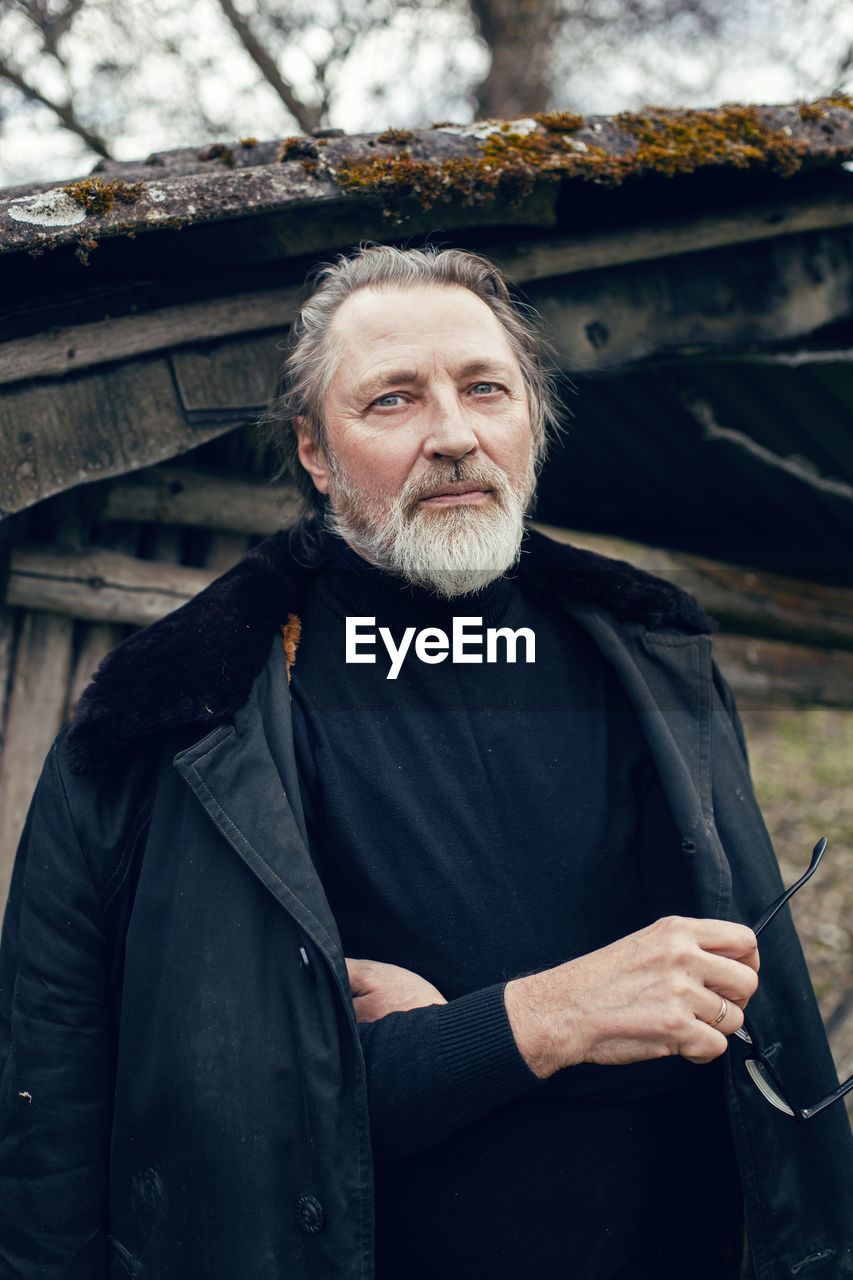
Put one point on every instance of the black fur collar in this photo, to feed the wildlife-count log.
(196, 666)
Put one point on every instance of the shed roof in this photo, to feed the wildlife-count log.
(695, 268)
(541, 170)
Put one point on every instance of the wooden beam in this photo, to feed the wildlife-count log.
(7, 648)
(96, 641)
(746, 601)
(67, 348)
(773, 673)
(101, 585)
(224, 551)
(54, 436)
(36, 707)
(763, 296)
(559, 256)
(804, 358)
(177, 495)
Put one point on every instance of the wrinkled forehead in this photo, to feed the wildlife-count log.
(424, 321)
(364, 313)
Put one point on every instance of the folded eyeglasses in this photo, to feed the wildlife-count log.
(760, 1069)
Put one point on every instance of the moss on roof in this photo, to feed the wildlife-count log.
(98, 197)
(495, 165)
(560, 145)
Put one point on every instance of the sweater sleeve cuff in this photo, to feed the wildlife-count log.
(481, 1059)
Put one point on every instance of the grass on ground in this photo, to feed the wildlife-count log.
(802, 767)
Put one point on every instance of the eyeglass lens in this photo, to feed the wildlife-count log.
(762, 1080)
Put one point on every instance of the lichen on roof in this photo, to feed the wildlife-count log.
(563, 145)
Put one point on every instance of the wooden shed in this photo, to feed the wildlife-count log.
(695, 270)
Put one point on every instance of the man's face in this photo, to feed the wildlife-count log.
(429, 456)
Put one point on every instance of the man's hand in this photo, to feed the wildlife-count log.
(379, 988)
(653, 994)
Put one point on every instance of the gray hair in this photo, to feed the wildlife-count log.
(313, 355)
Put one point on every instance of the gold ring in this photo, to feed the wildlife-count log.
(724, 1008)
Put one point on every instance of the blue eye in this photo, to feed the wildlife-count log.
(484, 388)
(389, 401)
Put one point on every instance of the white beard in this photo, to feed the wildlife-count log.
(452, 551)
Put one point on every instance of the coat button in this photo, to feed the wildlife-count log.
(310, 1214)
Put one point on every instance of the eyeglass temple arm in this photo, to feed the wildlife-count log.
(817, 854)
(842, 1089)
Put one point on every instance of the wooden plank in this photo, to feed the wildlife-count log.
(773, 673)
(101, 585)
(746, 601)
(53, 437)
(224, 551)
(178, 495)
(7, 650)
(36, 707)
(544, 257)
(165, 545)
(239, 375)
(96, 641)
(70, 348)
(723, 299)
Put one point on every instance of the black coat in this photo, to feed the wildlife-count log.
(183, 1092)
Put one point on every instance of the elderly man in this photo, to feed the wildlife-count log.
(499, 775)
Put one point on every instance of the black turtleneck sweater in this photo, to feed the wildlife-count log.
(475, 822)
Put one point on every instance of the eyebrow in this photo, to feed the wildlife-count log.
(405, 376)
(394, 377)
(477, 368)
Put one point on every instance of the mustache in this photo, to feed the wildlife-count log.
(445, 473)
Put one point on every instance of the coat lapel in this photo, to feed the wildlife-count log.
(244, 777)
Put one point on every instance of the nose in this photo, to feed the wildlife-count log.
(450, 433)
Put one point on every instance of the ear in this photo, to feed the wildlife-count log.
(311, 455)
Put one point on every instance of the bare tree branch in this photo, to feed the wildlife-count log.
(53, 26)
(63, 110)
(307, 117)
